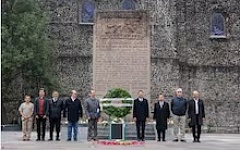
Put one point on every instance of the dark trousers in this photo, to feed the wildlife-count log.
(54, 122)
(92, 129)
(198, 127)
(140, 124)
(159, 132)
(41, 122)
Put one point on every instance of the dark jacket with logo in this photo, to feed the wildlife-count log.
(55, 108)
(74, 110)
(179, 106)
(36, 106)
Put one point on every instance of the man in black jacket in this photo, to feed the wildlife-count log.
(74, 108)
(196, 114)
(161, 115)
(41, 113)
(55, 110)
(140, 114)
(179, 108)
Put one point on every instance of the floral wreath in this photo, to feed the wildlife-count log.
(117, 112)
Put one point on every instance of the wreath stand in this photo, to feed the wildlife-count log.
(117, 131)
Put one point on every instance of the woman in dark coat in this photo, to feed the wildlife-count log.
(196, 113)
(161, 115)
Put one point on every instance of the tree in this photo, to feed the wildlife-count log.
(27, 59)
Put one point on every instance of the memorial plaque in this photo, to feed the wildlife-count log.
(117, 131)
(121, 54)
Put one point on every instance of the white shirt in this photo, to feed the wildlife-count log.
(140, 99)
(73, 99)
(161, 103)
(54, 99)
(196, 106)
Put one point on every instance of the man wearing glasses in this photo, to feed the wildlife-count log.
(179, 108)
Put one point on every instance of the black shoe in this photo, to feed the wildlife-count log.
(43, 139)
(75, 139)
(89, 139)
(57, 139)
(198, 140)
(158, 140)
(182, 140)
(194, 141)
(175, 140)
(68, 139)
(164, 140)
(50, 139)
(37, 139)
(143, 139)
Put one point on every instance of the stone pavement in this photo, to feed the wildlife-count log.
(12, 141)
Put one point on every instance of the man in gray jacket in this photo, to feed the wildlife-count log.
(92, 107)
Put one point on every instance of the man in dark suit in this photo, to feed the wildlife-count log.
(74, 108)
(41, 112)
(196, 114)
(161, 115)
(55, 111)
(140, 114)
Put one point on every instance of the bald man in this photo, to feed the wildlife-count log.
(179, 109)
(73, 107)
(196, 113)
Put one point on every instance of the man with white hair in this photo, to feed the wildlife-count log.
(74, 109)
(196, 114)
(179, 108)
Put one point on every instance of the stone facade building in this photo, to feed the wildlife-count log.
(195, 44)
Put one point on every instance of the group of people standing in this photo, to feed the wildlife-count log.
(181, 109)
(52, 109)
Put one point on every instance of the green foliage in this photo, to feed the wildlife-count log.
(117, 112)
(26, 52)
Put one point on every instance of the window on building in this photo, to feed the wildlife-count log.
(87, 11)
(218, 25)
(128, 5)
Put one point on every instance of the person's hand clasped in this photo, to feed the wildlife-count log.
(134, 119)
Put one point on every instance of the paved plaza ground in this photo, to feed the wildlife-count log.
(12, 141)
